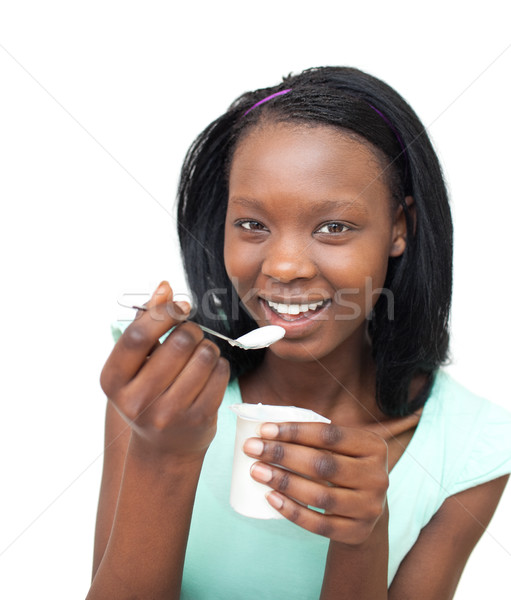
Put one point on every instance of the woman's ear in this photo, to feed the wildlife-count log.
(399, 233)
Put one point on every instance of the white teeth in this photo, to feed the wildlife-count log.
(293, 309)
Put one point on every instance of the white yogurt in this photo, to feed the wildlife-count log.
(262, 337)
(276, 414)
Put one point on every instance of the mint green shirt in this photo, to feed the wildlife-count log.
(461, 441)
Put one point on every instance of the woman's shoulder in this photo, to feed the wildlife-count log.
(472, 434)
(450, 400)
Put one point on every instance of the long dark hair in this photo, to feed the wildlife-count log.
(415, 341)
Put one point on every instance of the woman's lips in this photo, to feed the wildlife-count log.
(294, 325)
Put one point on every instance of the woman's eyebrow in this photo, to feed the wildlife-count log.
(316, 206)
(246, 202)
(345, 203)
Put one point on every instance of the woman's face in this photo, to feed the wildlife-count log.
(309, 229)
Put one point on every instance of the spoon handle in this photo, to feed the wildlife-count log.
(204, 328)
(219, 335)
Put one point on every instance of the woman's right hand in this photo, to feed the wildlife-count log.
(169, 393)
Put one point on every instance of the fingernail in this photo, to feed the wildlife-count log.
(261, 472)
(162, 294)
(269, 430)
(253, 446)
(162, 290)
(275, 500)
(184, 306)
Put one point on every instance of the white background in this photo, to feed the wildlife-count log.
(98, 104)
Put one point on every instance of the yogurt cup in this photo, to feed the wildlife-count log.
(247, 495)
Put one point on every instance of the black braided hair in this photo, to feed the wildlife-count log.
(415, 340)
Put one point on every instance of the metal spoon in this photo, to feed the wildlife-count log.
(262, 337)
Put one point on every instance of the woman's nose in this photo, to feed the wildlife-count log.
(288, 260)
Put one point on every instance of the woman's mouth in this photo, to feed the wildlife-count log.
(297, 318)
(293, 312)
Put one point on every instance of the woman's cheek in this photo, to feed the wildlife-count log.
(242, 264)
(358, 279)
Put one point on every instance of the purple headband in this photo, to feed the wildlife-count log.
(266, 100)
(394, 130)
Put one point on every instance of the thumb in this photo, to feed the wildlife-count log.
(161, 295)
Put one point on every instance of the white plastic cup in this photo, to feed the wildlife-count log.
(247, 495)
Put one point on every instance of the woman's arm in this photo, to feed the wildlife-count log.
(145, 552)
(359, 571)
(343, 471)
(433, 567)
(117, 437)
(168, 395)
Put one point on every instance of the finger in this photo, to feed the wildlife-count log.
(164, 364)
(189, 383)
(332, 499)
(342, 440)
(337, 528)
(210, 398)
(137, 341)
(321, 465)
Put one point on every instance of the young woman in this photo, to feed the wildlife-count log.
(317, 205)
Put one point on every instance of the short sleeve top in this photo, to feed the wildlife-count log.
(461, 441)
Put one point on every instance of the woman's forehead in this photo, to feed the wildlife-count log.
(321, 160)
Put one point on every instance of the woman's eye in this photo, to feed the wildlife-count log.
(333, 228)
(252, 225)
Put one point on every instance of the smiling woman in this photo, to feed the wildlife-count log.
(376, 124)
(319, 221)
(299, 197)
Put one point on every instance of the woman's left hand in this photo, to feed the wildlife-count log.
(339, 469)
